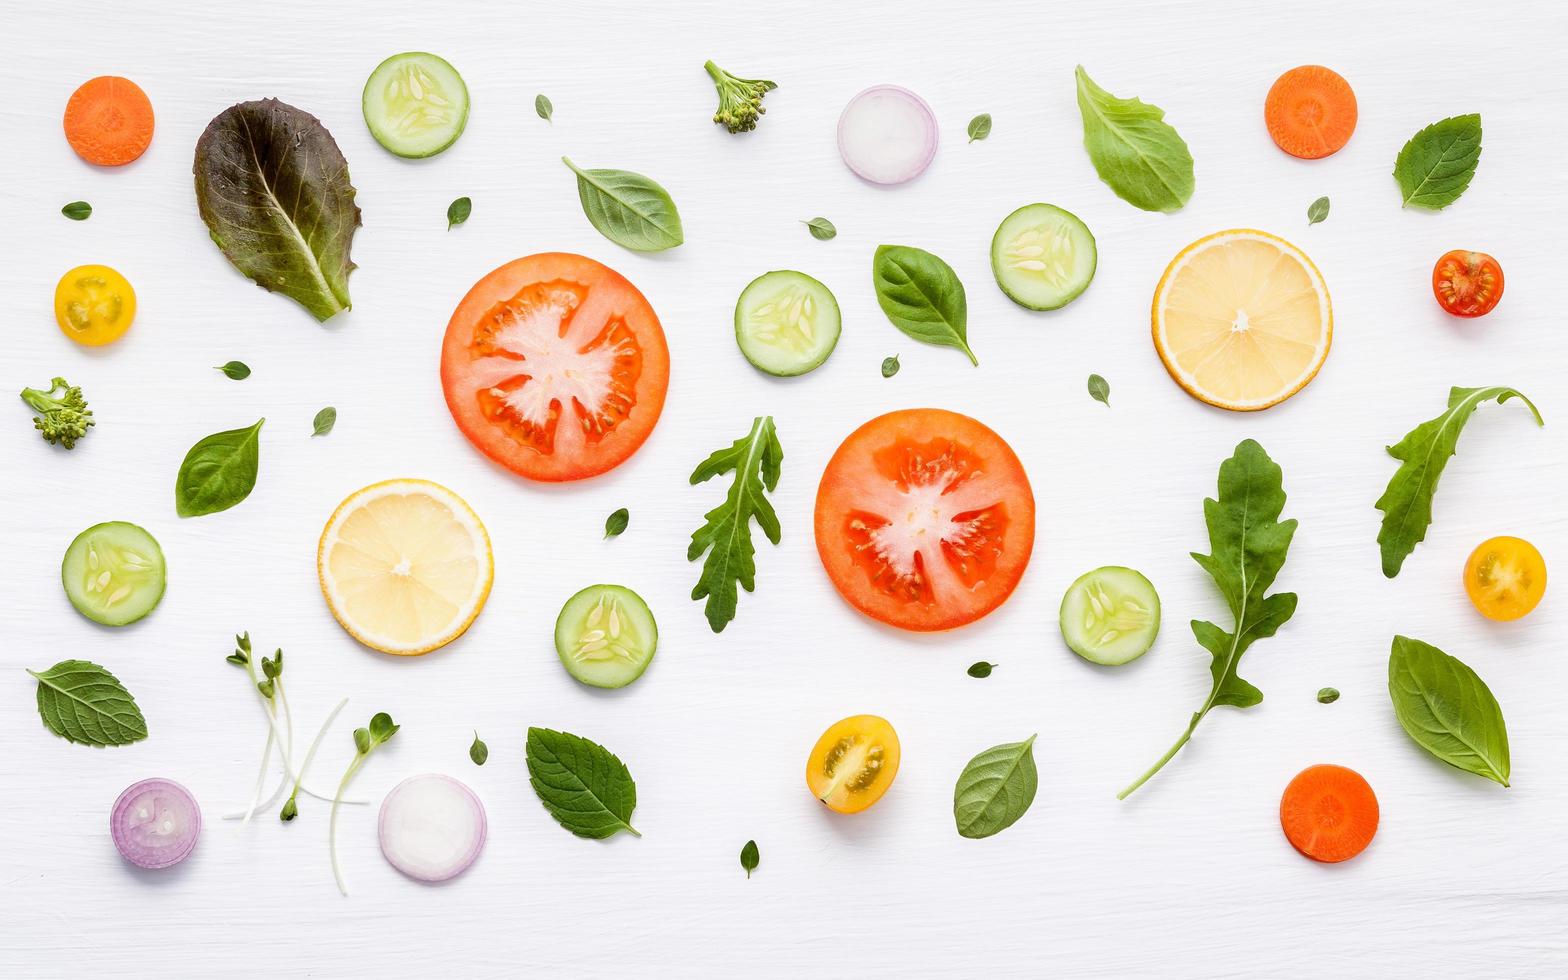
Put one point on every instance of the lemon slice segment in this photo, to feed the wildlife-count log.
(1242, 319)
(405, 566)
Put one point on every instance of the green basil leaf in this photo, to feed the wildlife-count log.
(980, 669)
(1448, 709)
(1328, 695)
(77, 210)
(750, 857)
(324, 421)
(83, 703)
(1436, 165)
(980, 127)
(628, 209)
(543, 107)
(889, 366)
(1100, 390)
(273, 188)
(922, 295)
(583, 785)
(821, 229)
(1423, 453)
(1317, 211)
(479, 751)
(995, 789)
(235, 370)
(1139, 155)
(218, 472)
(616, 522)
(458, 211)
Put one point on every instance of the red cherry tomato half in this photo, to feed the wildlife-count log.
(1467, 283)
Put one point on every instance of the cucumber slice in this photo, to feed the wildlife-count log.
(786, 323)
(113, 573)
(606, 636)
(416, 104)
(1043, 257)
(1110, 616)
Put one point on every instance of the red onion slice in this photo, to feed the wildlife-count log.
(887, 134)
(155, 823)
(432, 827)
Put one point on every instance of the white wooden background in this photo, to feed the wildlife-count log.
(1191, 877)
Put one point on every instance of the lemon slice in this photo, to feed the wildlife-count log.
(405, 566)
(1242, 319)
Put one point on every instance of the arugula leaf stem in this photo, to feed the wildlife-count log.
(1170, 753)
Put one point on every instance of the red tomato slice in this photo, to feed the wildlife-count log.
(555, 367)
(1467, 283)
(925, 519)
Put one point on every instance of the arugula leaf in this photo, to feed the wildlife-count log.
(1436, 165)
(750, 857)
(83, 703)
(1423, 452)
(218, 472)
(629, 209)
(458, 211)
(543, 107)
(726, 535)
(1247, 544)
(980, 127)
(1100, 390)
(1448, 709)
(995, 789)
(922, 296)
(583, 785)
(821, 229)
(1139, 155)
(1317, 211)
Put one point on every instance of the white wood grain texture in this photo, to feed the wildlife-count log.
(1189, 878)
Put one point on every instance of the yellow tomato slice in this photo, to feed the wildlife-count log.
(94, 305)
(853, 763)
(1505, 577)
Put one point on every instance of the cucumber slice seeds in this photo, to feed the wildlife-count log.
(1043, 257)
(786, 323)
(113, 573)
(415, 104)
(1110, 616)
(606, 636)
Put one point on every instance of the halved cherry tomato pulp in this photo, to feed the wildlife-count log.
(555, 367)
(853, 763)
(925, 519)
(1467, 283)
(1505, 577)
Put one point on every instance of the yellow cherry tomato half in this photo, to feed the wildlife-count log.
(1505, 577)
(853, 763)
(94, 305)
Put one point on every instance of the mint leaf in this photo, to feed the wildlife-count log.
(1448, 709)
(1407, 502)
(995, 789)
(1436, 165)
(1138, 155)
(756, 461)
(83, 703)
(1247, 547)
(583, 785)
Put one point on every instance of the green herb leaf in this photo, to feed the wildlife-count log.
(235, 370)
(218, 472)
(923, 296)
(616, 522)
(821, 229)
(479, 751)
(756, 460)
(362, 743)
(543, 107)
(1436, 165)
(1407, 502)
(980, 669)
(1448, 709)
(77, 210)
(1139, 155)
(237, 658)
(1247, 544)
(83, 703)
(273, 188)
(583, 785)
(324, 421)
(980, 127)
(381, 728)
(628, 209)
(995, 789)
(290, 810)
(889, 366)
(267, 688)
(458, 211)
(1100, 390)
(1317, 211)
(1328, 695)
(749, 857)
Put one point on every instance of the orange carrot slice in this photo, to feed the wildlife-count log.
(1310, 112)
(1329, 813)
(109, 121)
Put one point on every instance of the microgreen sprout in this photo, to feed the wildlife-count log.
(366, 740)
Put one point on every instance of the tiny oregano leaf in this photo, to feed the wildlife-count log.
(458, 211)
(77, 210)
(750, 857)
(236, 370)
(1317, 211)
(980, 669)
(980, 127)
(616, 522)
(324, 421)
(821, 229)
(543, 107)
(479, 751)
(1100, 390)
(889, 366)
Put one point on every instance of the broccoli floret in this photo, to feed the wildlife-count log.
(740, 99)
(63, 415)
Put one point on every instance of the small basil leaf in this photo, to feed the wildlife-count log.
(889, 366)
(995, 789)
(629, 209)
(821, 229)
(980, 127)
(479, 751)
(218, 472)
(325, 420)
(922, 296)
(543, 107)
(616, 522)
(458, 211)
(1317, 211)
(749, 857)
(77, 210)
(237, 370)
(980, 669)
(1100, 390)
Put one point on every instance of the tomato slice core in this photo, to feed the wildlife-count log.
(1467, 284)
